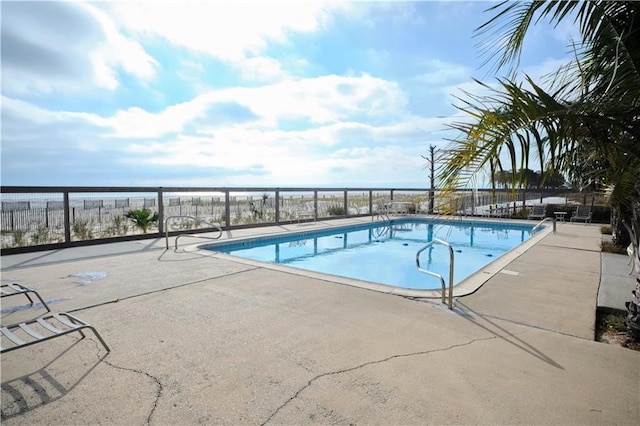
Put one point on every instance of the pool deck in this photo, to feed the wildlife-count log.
(206, 339)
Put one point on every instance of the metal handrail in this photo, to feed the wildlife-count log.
(197, 219)
(381, 212)
(546, 219)
(451, 264)
(382, 215)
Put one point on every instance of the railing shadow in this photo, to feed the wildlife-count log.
(184, 256)
(503, 334)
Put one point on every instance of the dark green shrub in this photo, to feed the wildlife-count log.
(606, 230)
(610, 247)
(82, 230)
(19, 238)
(336, 211)
(41, 236)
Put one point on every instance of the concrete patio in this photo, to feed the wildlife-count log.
(207, 340)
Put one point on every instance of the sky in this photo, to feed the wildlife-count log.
(240, 94)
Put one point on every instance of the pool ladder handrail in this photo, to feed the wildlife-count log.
(382, 211)
(539, 224)
(197, 219)
(434, 274)
(382, 215)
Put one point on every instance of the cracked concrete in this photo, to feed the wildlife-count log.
(207, 340)
(60, 386)
(368, 363)
(155, 379)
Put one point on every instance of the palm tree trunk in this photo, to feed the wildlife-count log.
(620, 232)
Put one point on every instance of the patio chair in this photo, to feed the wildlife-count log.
(14, 289)
(538, 212)
(42, 328)
(499, 211)
(582, 213)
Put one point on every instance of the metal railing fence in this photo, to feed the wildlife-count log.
(37, 218)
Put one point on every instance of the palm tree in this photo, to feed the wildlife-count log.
(590, 115)
(142, 218)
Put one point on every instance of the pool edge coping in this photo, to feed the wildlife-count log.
(466, 287)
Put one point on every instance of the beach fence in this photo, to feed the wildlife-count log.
(49, 217)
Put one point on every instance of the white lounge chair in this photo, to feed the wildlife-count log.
(44, 328)
(499, 211)
(582, 213)
(39, 329)
(7, 290)
(538, 212)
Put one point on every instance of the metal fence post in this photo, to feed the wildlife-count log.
(160, 211)
(345, 205)
(67, 217)
(227, 208)
(315, 205)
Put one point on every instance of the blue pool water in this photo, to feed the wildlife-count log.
(386, 254)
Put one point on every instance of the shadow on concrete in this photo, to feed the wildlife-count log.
(502, 333)
(44, 386)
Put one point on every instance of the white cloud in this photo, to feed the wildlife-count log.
(32, 57)
(229, 31)
(66, 47)
(329, 98)
(539, 73)
(135, 122)
(378, 56)
(281, 158)
(439, 72)
(186, 135)
(37, 115)
(260, 69)
(186, 115)
(321, 100)
(117, 51)
(334, 152)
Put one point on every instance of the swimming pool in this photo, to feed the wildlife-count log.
(384, 253)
